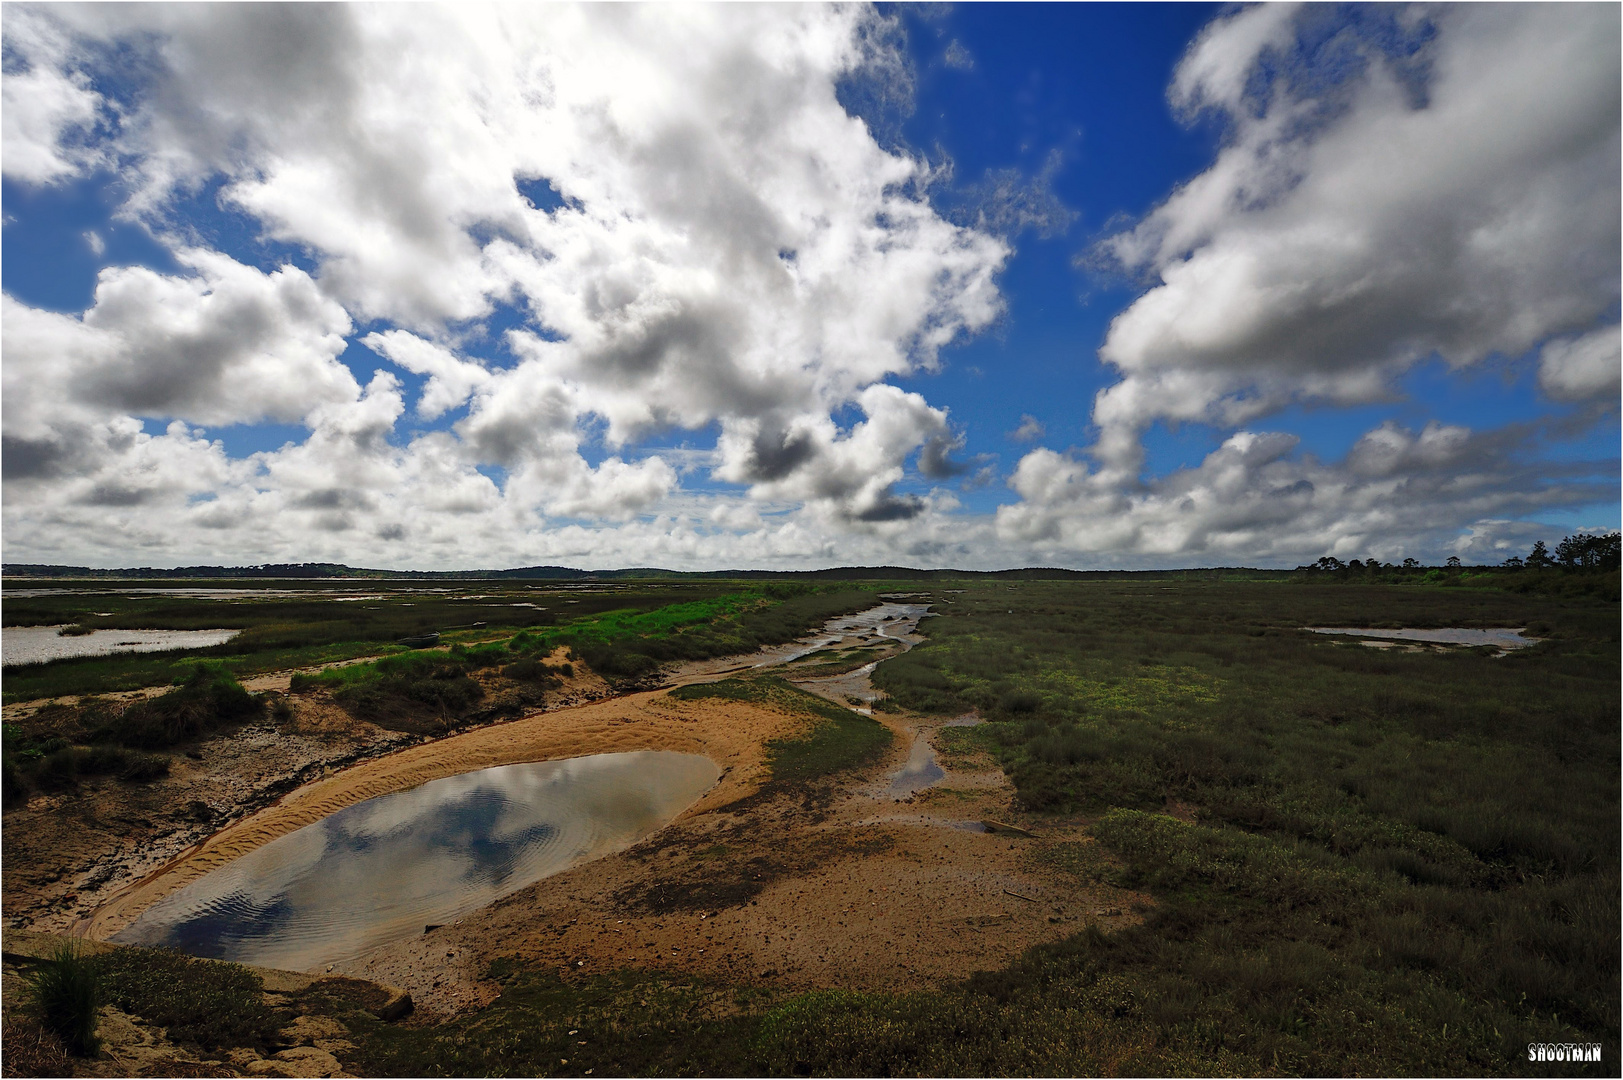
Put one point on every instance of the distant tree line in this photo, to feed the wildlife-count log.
(1595, 552)
(1584, 551)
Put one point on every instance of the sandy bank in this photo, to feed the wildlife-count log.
(731, 734)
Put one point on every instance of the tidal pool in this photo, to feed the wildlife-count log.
(383, 869)
(920, 771)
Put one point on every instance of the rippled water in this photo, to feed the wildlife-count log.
(37, 644)
(383, 869)
(1504, 637)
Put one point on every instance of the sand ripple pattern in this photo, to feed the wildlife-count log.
(380, 870)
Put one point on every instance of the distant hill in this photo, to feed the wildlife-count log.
(312, 571)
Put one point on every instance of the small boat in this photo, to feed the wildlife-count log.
(421, 641)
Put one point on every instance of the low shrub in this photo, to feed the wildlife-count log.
(481, 656)
(834, 745)
(209, 699)
(839, 739)
(13, 787)
(54, 765)
(532, 671)
(419, 692)
(63, 767)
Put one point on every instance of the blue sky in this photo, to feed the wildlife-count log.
(983, 285)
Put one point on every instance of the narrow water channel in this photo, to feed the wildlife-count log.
(384, 869)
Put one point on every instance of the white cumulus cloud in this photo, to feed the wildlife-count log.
(668, 209)
(1442, 185)
(1459, 201)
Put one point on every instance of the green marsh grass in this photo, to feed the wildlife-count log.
(1387, 842)
(56, 746)
(625, 633)
(1400, 863)
(210, 1004)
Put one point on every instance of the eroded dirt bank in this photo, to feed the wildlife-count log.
(69, 852)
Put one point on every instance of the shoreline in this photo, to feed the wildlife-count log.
(732, 734)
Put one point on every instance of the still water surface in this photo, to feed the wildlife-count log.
(39, 644)
(379, 871)
(1504, 637)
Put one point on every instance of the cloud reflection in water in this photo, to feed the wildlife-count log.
(382, 869)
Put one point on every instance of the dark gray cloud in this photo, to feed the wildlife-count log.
(935, 460)
(893, 508)
(117, 495)
(35, 459)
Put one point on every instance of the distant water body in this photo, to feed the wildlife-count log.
(38, 644)
(1502, 637)
(382, 870)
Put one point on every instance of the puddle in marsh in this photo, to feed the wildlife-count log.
(1503, 637)
(921, 770)
(38, 644)
(382, 870)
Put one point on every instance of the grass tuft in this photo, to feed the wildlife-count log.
(65, 994)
